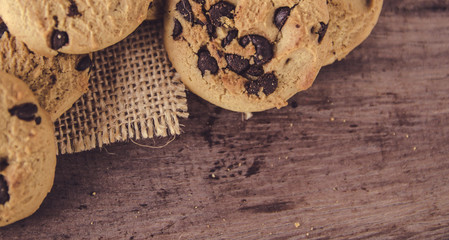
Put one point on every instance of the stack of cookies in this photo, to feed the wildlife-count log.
(253, 55)
(242, 55)
(45, 63)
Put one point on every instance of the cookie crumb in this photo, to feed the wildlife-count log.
(407, 136)
(414, 148)
(247, 115)
(297, 224)
(93, 193)
(332, 119)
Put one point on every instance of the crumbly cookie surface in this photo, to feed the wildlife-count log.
(57, 82)
(247, 55)
(72, 26)
(27, 151)
(351, 22)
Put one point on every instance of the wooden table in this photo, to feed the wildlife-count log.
(363, 154)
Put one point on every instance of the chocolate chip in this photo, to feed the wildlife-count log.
(59, 39)
(211, 30)
(321, 32)
(206, 62)
(237, 63)
(228, 39)
(3, 163)
(280, 16)
(73, 9)
(38, 120)
(3, 29)
(255, 70)
(24, 111)
(84, 63)
(55, 18)
(177, 29)
(264, 49)
(252, 87)
(269, 82)
(185, 9)
(4, 195)
(219, 10)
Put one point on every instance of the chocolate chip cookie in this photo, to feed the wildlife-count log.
(27, 151)
(351, 21)
(247, 55)
(57, 82)
(72, 26)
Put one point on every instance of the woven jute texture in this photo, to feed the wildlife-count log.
(134, 93)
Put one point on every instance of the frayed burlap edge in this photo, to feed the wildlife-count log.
(134, 93)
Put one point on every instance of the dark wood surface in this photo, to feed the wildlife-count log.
(363, 154)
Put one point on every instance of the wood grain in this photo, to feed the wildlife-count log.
(363, 154)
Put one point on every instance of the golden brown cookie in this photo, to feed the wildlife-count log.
(247, 55)
(76, 26)
(57, 82)
(27, 151)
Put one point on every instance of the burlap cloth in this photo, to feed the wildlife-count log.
(134, 93)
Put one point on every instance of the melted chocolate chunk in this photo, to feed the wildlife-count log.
(264, 49)
(185, 9)
(177, 30)
(4, 195)
(321, 32)
(3, 163)
(237, 63)
(245, 40)
(73, 9)
(280, 16)
(269, 82)
(228, 39)
(211, 29)
(24, 111)
(3, 29)
(206, 62)
(219, 10)
(252, 87)
(255, 70)
(59, 39)
(84, 63)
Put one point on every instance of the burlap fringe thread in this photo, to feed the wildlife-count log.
(134, 93)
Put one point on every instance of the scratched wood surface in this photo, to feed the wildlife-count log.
(363, 154)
